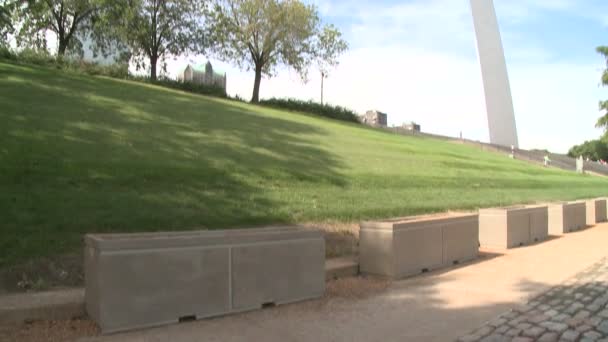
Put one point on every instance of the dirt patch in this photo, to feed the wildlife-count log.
(341, 239)
(43, 274)
(53, 331)
(355, 287)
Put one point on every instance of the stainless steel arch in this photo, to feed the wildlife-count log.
(499, 102)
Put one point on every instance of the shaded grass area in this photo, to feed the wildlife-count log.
(89, 154)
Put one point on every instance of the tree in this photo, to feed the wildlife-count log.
(602, 122)
(63, 17)
(6, 25)
(330, 46)
(594, 150)
(153, 29)
(260, 35)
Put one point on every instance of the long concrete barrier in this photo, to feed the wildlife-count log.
(142, 280)
(408, 246)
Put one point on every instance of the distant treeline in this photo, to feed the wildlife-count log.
(311, 107)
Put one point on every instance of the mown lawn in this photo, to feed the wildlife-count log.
(84, 154)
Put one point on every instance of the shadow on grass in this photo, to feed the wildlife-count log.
(82, 155)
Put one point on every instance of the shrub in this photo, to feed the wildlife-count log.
(190, 87)
(37, 57)
(6, 53)
(237, 98)
(333, 112)
(44, 58)
(117, 70)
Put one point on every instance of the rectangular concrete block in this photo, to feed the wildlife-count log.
(539, 224)
(461, 240)
(277, 273)
(407, 246)
(566, 217)
(512, 226)
(596, 211)
(149, 279)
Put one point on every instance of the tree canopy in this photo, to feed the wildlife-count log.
(602, 122)
(153, 29)
(261, 35)
(597, 149)
(593, 149)
(6, 25)
(63, 17)
(330, 46)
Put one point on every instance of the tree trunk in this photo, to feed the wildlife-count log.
(63, 46)
(153, 62)
(256, 84)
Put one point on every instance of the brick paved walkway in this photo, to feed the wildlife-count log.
(574, 311)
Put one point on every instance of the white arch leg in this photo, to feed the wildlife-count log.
(499, 103)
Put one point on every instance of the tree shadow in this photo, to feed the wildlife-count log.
(128, 157)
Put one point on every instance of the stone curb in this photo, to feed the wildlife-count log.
(51, 305)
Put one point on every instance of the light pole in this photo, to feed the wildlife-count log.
(322, 77)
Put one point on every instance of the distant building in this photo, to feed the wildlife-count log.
(411, 126)
(202, 75)
(374, 118)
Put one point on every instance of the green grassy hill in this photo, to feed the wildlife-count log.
(84, 154)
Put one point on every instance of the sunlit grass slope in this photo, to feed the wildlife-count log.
(83, 154)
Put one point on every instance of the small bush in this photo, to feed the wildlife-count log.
(190, 87)
(333, 112)
(237, 98)
(38, 57)
(118, 70)
(6, 53)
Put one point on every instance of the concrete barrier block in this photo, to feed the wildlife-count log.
(142, 280)
(596, 211)
(277, 274)
(376, 250)
(579, 215)
(511, 227)
(417, 249)
(566, 217)
(408, 246)
(460, 239)
(539, 224)
(601, 210)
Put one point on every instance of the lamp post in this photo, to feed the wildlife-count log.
(322, 77)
